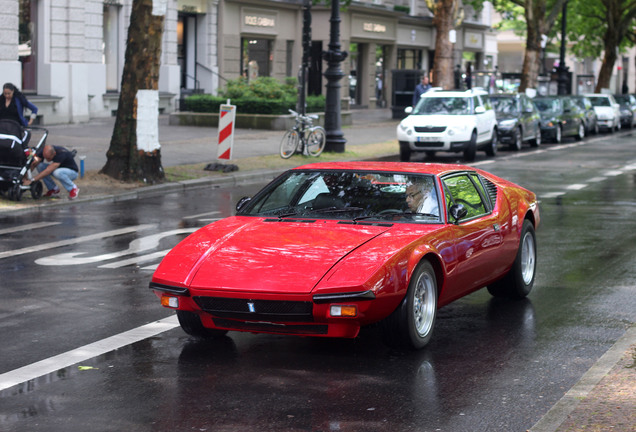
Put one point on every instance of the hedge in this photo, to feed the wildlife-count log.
(263, 95)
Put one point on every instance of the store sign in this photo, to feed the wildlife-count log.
(373, 27)
(473, 40)
(259, 21)
(192, 6)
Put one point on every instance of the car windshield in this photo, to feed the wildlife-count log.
(548, 106)
(624, 101)
(442, 105)
(357, 196)
(600, 101)
(505, 105)
(580, 103)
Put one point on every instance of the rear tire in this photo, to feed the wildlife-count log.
(289, 144)
(536, 142)
(518, 282)
(316, 141)
(405, 152)
(191, 324)
(491, 150)
(558, 137)
(411, 324)
(517, 142)
(471, 151)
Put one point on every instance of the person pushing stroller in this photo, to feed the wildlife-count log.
(56, 161)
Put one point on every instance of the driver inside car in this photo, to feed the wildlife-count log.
(421, 197)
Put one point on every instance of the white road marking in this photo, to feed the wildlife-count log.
(138, 245)
(76, 240)
(552, 194)
(201, 215)
(136, 260)
(576, 186)
(55, 363)
(28, 227)
(613, 173)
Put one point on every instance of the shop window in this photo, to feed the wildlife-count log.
(27, 48)
(110, 46)
(409, 59)
(256, 57)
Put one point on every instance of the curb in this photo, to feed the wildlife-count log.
(559, 413)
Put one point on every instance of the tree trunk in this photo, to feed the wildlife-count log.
(141, 72)
(612, 39)
(443, 62)
(605, 74)
(535, 22)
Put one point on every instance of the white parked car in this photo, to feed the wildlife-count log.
(607, 111)
(451, 121)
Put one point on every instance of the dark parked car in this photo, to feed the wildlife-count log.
(589, 115)
(627, 104)
(518, 119)
(560, 117)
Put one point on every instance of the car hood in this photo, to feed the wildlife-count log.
(437, 120)
(604, 110)
(264, 255)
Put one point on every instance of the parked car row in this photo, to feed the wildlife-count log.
(456, 121)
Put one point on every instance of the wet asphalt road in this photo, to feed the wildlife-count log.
(492, 365)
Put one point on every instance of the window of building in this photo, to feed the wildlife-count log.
(409, 59)
(110, 46)
(27, 48)
(256, 57)
(289, 65)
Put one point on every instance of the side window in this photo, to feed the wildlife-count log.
(463, 191)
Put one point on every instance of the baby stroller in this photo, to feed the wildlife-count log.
(16, 159)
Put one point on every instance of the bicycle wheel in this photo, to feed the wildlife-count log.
(289, 144)
(316, 141)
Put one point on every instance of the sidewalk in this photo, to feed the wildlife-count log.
(603, 400)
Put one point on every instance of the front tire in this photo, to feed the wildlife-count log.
(411, 324)
(581, 134)
(516, 144)
(191, 324)
(518, 282)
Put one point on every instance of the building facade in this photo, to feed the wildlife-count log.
(68, 55)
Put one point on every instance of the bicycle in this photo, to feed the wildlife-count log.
(303, 137)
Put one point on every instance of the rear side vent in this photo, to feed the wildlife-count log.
(491, 190)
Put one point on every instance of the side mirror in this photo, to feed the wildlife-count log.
(480, 110)
(408, 110)
(242, 202)
(458, 211)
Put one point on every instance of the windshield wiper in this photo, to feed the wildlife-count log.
(336, 209)
(397, 213)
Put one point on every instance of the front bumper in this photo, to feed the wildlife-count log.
(308, 315)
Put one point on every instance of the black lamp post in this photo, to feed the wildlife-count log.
(334, 56)
(562, 70)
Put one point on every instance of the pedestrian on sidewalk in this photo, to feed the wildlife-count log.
(58, 162)
(420, 89)
(12, 106)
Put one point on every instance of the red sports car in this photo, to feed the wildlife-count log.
(327, 248)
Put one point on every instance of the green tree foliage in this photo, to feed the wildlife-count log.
(601, 27)
(540, 17)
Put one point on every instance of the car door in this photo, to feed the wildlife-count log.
(482, 120)
(570, 117)
(530, 118)
(480, 236)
